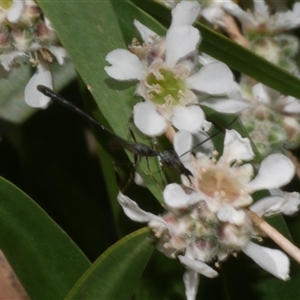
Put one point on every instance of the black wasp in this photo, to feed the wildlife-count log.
(169, 158)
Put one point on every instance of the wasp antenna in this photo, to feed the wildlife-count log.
(210, 137)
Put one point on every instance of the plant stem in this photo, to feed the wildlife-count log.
(276, 236)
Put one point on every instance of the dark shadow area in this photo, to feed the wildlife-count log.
(48, 157)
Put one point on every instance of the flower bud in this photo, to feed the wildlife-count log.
(292, 128)
(5, 40)
(44, 36)
(233, 237)
(30, 15)
(22, 39)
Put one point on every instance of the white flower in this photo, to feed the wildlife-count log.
(227, 180)
(272, 119)
(275, 171)
(260, 19)
(39, 57)
(168, 80)
(205, 218)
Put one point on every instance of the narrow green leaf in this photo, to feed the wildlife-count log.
(236, 56)
(117, 271)
(44, 258)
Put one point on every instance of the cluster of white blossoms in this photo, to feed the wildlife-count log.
(265, 31)
(25, 32)
(269, 120)
(208, 216)
(272, 117)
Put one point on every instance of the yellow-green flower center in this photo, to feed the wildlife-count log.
(163, 87)
(5, 3)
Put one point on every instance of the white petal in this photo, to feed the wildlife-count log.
(189, 118)
(147, 34)
(191, 283)
(175, 196)
(214, 78)
(227, 106)
(276, 192)
(180, 41)
(198, 266)
(148, 120)
(235, 92)
(292, 202)
(206, 125)
(222, 255)
(275, 171)
(271, 205)
(48, 24)
(235, 148)
(267, 206)
(236, 11)
(124, 65)
(289, 19)
(134, 212)
(59, 52)
(202, 142)
(139, 180)
(213, 15)
(7, 59)
(244, 173)
(228, 214)
(205, 59)
(42, 76)
(261, 8)
(261, 94)
(160, 246)
(271, 260)
(185, 13)
(185, 143)
(15, 11)
(292, 106)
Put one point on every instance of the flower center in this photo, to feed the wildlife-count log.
(164, 87)
(5, 3)
(220, 183)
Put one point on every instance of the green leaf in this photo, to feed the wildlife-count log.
(162, 279)
(44, 258)
(236, 56)
(116, 272)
